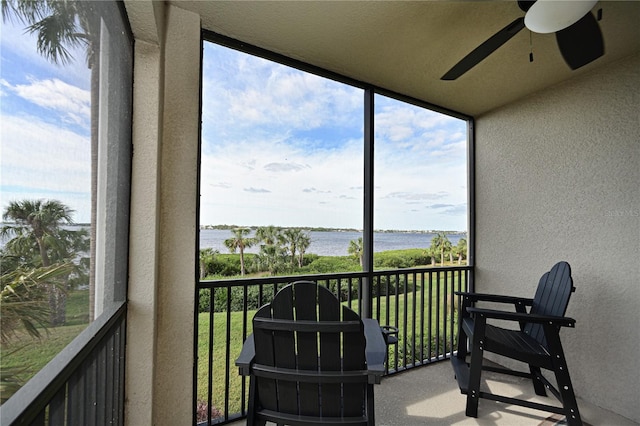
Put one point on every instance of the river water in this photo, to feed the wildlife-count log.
(335, 243)
(329, 243)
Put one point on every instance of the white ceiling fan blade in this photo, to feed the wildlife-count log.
(550, 16)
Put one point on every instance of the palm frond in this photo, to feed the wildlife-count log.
(23, 299)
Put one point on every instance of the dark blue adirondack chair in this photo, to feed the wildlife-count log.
(536, 343)
(311, 360)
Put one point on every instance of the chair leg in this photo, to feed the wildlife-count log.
(475, 369)
(463, 339)
(371, 411)
(538, 386)
(569, 402)
(253, 396)
(563, 379)
(462, 343)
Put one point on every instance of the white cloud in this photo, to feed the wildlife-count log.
(413, 196)
(41, 102)
(318, 194)
(285, 167)
(288, 147)
(71, 102)
(41, 160)
(268, 94)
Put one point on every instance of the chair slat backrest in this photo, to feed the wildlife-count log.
(551, 298)
(336, 344)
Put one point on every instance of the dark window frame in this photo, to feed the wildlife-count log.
(370, 91)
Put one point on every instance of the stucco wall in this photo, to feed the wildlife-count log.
(159, 375)
(143, 235)
(558, 178)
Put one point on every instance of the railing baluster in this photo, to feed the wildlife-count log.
(245, 304)
(212, 302)
(405, 314)
(455, 284)
(423, 289)
(414, 305)
(445, 310)
(98, 387)
(376, 280)
(110, 371)
(430, 314)
(57, 407)
(39, 419)
(228, 355)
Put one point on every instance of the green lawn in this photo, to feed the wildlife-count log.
(28, 355)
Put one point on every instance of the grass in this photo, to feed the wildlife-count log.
(224, 372)
(28, 355)
(221, 358)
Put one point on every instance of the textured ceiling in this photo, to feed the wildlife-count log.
(406, 47)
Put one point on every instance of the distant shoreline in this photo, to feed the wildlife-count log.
(322, 229)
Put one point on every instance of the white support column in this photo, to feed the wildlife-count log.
(177, 266)
(147, 22)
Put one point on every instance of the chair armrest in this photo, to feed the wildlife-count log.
(375, 350)
(523, 317)
(482, 297)
(390, 334)
(245, 359)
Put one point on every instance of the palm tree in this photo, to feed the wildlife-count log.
(303, 244)
(269, 235)
(356, 250)
(272, 250)
(60, 25)
(461, 249)
(206, 258)
(239, 242)
(441, 242)
(37, 219)
(41, 221)
(24, 300)
(271, 258)
(431, 253)
(296, 238)
(290, 236)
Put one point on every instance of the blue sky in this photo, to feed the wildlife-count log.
(282, 147)
(44, 131)
(279, 146)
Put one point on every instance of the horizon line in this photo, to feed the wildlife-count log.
(325, 228)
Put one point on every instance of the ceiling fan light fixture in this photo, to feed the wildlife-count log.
(550, 16)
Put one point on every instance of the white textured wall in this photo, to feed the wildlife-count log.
(159, 364)
(143, 234)
(558, 178)
(173, 379)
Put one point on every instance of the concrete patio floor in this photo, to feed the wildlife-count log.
(430, 396)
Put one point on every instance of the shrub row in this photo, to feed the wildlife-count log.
(228, 265)
(236, 300)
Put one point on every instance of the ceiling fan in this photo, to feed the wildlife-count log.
(577, 33)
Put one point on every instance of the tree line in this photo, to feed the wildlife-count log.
(283, 250)
(440, 247)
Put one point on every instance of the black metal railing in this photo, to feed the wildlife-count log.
(419, 302)
(82, 385)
